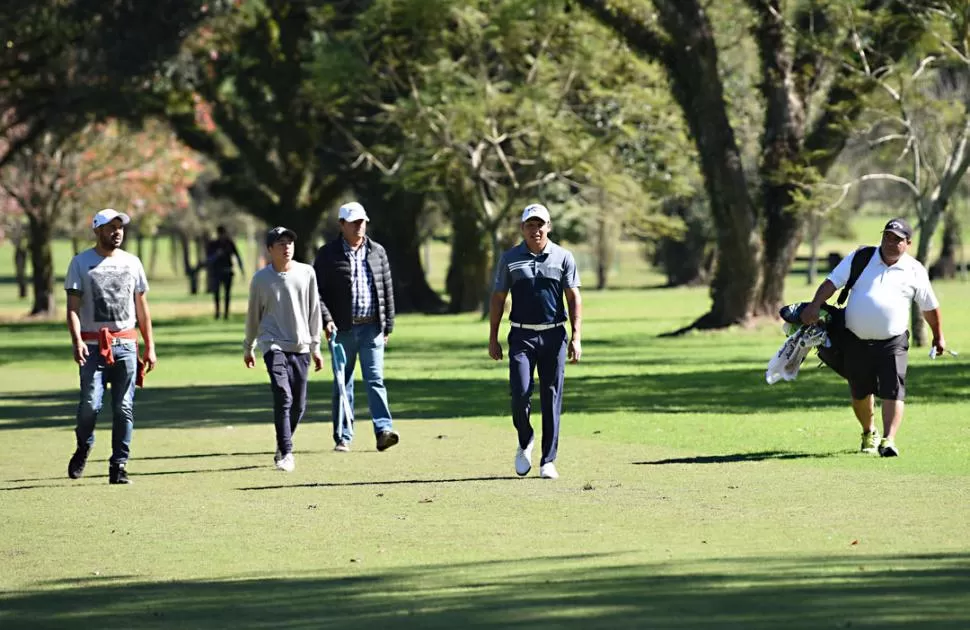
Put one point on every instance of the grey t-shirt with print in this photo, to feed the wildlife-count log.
(107, 286)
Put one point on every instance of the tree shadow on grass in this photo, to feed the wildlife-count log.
(712, 391)
(389, 482)
(565, 593)
(736, 458)
(134, 477)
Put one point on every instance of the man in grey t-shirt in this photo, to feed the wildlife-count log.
(284, 320)
(106, 289)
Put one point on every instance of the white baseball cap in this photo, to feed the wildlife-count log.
(536, 211)
(353, 211)
(106, 216)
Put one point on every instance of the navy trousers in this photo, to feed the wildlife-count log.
(545, 352)
(288, 380)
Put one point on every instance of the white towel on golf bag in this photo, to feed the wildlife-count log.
(790, 356)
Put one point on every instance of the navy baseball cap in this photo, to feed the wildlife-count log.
(900, 228)
(277, 233)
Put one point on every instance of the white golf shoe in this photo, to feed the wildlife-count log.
(523, 459)
(286, 463)
(548, 471)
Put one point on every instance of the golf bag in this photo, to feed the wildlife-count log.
(832, 354)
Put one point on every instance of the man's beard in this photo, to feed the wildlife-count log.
(107, 242)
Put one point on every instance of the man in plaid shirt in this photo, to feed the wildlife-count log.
(357, 299)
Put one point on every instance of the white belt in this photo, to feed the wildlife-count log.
(536, 326)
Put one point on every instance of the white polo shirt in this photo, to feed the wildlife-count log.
(879, 303)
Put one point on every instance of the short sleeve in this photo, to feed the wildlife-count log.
(141, 280)
(502, 284)
(840, 275)
(570, 275)
(73, 283)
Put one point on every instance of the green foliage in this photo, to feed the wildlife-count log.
(247, 100)
(65, 63)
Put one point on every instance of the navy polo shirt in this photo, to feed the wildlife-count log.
(536, 282)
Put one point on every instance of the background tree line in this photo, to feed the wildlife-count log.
(719, 134)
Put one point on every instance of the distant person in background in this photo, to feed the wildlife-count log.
(283, 320)
(537, 272)
(877, 325)
(354, 277)
(218, 259)
(106, 289)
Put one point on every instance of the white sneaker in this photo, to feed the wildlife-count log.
(548, 471)
(286, 463)
(523, 459)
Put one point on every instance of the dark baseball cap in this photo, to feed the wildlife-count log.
(277, 233)
(900, 228)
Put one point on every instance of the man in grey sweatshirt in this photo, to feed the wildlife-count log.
(284, 321)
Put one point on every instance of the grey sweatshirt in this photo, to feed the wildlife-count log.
(284, 310)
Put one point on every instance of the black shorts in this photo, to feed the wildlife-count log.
(877, 366)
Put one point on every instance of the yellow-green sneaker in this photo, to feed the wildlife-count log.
(870, 441)
(887, 448)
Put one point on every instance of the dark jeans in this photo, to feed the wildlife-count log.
(95, 376)
(877, 366)
(288, 380)
(545, 352)
(221, 280)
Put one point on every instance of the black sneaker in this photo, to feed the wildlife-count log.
(887, 448)
(117, 473)
(387, 439)
(75, 467)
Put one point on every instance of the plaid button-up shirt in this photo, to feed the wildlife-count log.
(361, 282)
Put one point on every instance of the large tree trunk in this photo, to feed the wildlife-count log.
(153, 256)
(75, 222)
(468, 267)
(175, 245)
(42, 262)
(781, 146)
(745, 283)
(190, 270)
(688, 52)
(607, 236)
(687, 261)
(396, 216)
(305, 223)
(945, 266)
(20, 264)
(693, 70)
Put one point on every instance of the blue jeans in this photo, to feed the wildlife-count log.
(367, 340)
(95, 376)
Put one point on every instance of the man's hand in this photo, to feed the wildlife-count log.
(317, 361)
(495, 349)
(810, 313)
(329, 329)
(150, 359)
(575, 350)
(939, 344)
(249, 359)
(80, 353)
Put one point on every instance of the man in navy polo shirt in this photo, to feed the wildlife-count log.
(537, 272)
